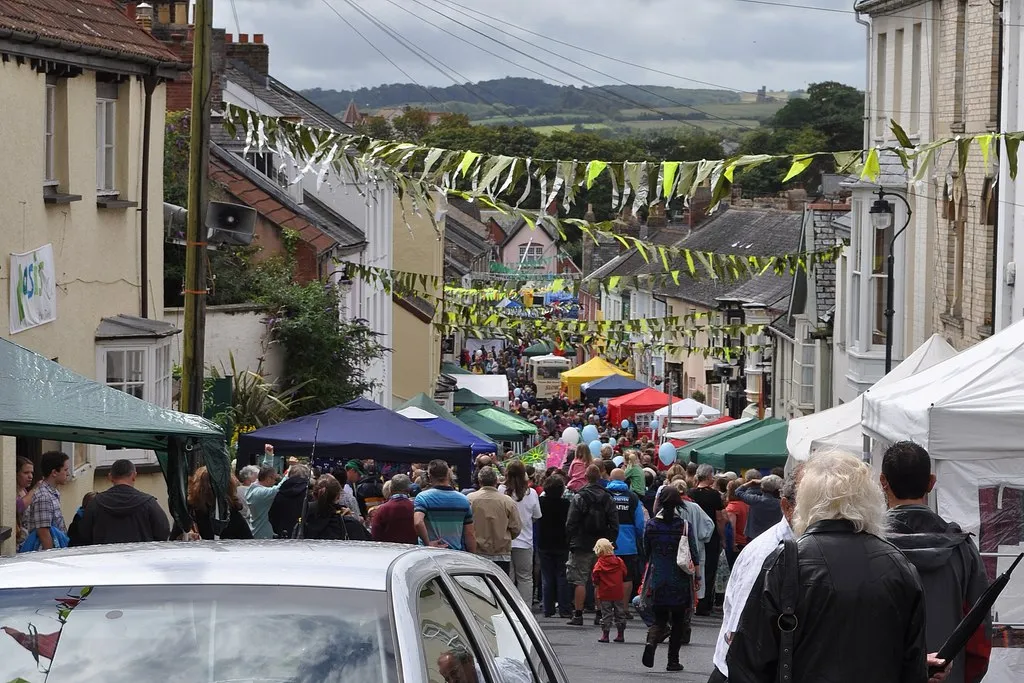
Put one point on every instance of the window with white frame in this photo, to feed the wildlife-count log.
(531, 255)
(804, 379)
(265, 163)
(106, 137)
(855, 276)
(49, 133)
(882, 238)
(142, 370)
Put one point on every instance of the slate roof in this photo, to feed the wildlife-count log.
(132, 327)
(98, 27)
(505, 221)
(746, 232)
(768, 290)
(891, 173)
(458, 230)
(283, 99)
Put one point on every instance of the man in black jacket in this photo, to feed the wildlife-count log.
(286, 509)
(592, 515)
(946, 558)
(122, 513)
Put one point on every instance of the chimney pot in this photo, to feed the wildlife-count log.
(129, 10)
(257, 38)
(243, 38)
(144, 16)
(229, 38)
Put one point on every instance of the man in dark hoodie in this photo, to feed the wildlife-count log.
(122, 513)
(286, 509)
(945, 557)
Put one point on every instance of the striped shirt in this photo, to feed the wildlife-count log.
(446, 513)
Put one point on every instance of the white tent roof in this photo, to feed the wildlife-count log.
(491, 387)
(687, 409)
(706, 432)
(414, 413)
(839, 427)
(966, 408)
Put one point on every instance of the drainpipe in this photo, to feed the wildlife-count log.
(996, 279)
(149, 84)
(867, 75)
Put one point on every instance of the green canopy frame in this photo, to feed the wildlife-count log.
(42, 399)
(761, 447)
(498, 424)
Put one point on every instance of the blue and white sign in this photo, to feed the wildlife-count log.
(33, 278)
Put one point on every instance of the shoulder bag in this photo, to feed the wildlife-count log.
(787, 616)
(683, 559)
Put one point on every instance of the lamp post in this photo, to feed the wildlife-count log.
(883, 215)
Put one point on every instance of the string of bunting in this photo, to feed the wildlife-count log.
(419, 171)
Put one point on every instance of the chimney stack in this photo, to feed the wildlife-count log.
(255, 54)
(144, 17)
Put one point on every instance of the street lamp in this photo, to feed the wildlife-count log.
(882, 216)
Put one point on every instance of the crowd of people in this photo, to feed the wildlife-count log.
(872, 570)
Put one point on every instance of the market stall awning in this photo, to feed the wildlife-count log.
(688, 409)
(453, 369)
(498, 424)
(460, 434)
(466, 398)
(427, 404)
(685, 454)
(357, 429)
(593, 369)
(611, 386)
(539, 349)
(761, 447)
(647, 400)
(42, 399)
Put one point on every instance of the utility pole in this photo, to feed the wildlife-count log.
(192, 356)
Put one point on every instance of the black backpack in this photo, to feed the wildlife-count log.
(595, 517)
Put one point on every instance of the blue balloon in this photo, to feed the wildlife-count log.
(667, 453)
(517, 392)
(590, 433)
(595, 448)
(625, 424)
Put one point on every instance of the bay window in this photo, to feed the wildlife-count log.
(868, 271)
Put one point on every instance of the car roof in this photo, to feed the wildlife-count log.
(323, 564)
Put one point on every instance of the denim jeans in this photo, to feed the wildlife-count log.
(553, 582)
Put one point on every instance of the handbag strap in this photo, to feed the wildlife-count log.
(787, 617)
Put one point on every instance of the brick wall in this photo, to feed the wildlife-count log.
(968, 41)
(179, 40)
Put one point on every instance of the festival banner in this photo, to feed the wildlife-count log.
(33, 289)
(557, 452)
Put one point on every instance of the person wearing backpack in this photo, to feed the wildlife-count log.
(592, 515)
(945, 557)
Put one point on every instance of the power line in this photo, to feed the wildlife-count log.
(556, 68)
(836, 10)
(425, 56)
(380, 52)
(614, 78)
(589, 51)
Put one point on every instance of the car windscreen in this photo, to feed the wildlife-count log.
(196, 634)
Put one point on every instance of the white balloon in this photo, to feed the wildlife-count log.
(571, 436)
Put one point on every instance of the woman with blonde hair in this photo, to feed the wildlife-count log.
(840, 588)
(578, 469)
(634, 473)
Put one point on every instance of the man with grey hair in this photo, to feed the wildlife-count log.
(710, 501)
(746, 570)
(496, 518)
(392, 522)
(246, 478)
(762, 496)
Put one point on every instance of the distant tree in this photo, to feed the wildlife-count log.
(449, 120)
(376, 127)
(176, 151)
(412, 124)
(834, 109)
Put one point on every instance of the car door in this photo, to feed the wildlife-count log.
(507, 633)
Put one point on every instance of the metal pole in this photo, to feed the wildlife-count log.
(890, 281)
(192, 356)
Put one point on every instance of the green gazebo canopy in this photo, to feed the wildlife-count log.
(451, 369)
(466, 398)
(761, 447)
(497, 424)
(541, 348)
(424, 402)
(686, 453)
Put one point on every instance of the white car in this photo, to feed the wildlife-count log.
(266, 612)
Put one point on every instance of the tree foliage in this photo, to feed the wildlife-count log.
(176, 152)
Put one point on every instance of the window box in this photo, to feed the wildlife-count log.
(113, 202)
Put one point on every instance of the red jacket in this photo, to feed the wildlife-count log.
(609, 574)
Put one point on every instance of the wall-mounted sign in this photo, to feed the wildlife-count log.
(33, 278)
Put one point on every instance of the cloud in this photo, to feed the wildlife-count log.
(727, 42)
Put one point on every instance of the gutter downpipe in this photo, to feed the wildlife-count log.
(149, 83)
(867, 75)
(996, 278)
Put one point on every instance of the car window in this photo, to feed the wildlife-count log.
(448, 650)
(503, 635)
(527, 636)
(186, 633)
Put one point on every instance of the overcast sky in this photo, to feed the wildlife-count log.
(727, 42)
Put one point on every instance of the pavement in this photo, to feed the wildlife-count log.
(585, 660)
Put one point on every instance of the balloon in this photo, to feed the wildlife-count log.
(571, 436)
(517, 392)
(625, 424)
(667, 453)
(618, 460)
(656, 424)
(526, 406)
(595, 448)
(590, 433)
